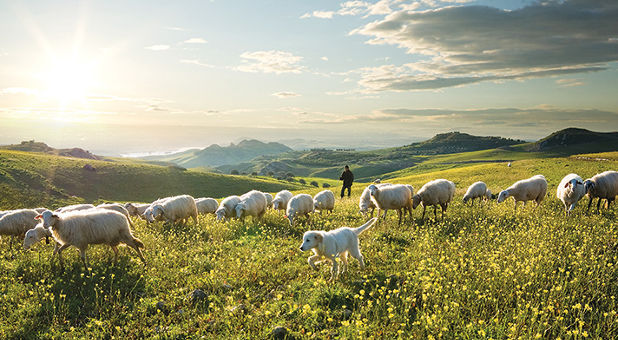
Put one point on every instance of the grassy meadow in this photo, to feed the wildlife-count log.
(482, 272)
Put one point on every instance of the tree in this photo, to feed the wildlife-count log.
(302, 181)
(289, 174)
(234, 172)
(325, 185)
(254, 173)
(315, 184)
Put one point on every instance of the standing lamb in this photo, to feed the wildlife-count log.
(531, 189)
(324, 200)
(397, 197)
(174, 210)
(476, 190)
(365, 203)
(74, 207)
(437, 192)
(83, 228)
(227, 208)
(602, 186)
(16, 223)
(206, 205)
(252, 203)
(570, 191)
(136, 209)
(269, 200)
(299, 205)
(280, 202)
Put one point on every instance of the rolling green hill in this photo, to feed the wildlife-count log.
(32, 179)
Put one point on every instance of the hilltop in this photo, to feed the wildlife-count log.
(578, 140)
(215, 155)
(33, 146)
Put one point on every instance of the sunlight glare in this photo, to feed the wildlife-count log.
(68, 81)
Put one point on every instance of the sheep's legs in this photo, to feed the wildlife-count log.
(115, 249)
(82, 254)
(444, 206)
(59, 252)
(399, 213)
(435, 213)
(589, 204)
(423, 218)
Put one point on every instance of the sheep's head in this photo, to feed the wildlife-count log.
(240, 210)
(132, 209)
(465, 199)
(311, 239)
(373, 189)
(316, 205)
(290, 216)
(49, 218)
(35, 235)
(220, 213)
(588, 185)
(157, 212)
(504, 194)
(488, 194)
(416, 200)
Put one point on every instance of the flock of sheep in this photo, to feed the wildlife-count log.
(84, 224)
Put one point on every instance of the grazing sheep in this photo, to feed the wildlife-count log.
(280, 202)
(83, 228)
(252, 203)
(488, 195)
(115, 207)
(16, 223)
(437, 192)
(269, 200)
(206, 205)
(148, 214)
(136, 209)
(476, 190)
(602, 186)
(365, 203)
(74, 207)
(173, 210)
(570, 191)
(531, 189)
(397, 197)
(227, 208)
(324, 200)
(299, 205)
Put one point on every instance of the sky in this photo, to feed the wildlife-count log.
(121, 77)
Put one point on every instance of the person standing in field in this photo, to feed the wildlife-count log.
(347, 177)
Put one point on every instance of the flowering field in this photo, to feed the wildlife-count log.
(483, 272)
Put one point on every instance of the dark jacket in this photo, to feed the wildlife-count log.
(347, 177)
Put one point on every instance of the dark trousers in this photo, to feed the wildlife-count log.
(343, 189)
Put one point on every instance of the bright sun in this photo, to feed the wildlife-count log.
(68, 81)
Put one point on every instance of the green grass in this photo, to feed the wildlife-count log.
(30, 179)
(482, 272)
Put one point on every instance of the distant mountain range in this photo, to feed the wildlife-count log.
(216, 155)
(32, 146)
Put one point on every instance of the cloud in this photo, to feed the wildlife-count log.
(286, 94)
(157, 47)
(19, 91)
(569, 82)
(175, 28)
(196, 62)
(380, 7)
(318, 14)
(195, 41)
(270, 62)
(324, 58)
(469, 44)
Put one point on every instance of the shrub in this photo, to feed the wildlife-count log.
(289, 174)
(254, 173)
(325, 185)
(302, 181)
(315, 184)
(234, 172)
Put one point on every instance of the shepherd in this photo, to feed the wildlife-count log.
(347, 177)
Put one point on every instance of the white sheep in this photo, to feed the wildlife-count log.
(437, 192)
(280, 202)
(365, 203)
(488, 195)
(206, 205)
(476, 190)
(74, 207)
(148, 214)
(299, 205)
(570, 191)
(136, 209)
(531, 189)
(252, 203)
(173, 210)
(83, 228)
(324, 200)
(269, 200)
(16, 223)
(397, 197)
(227, 208)
(602, 186)
(115, 207)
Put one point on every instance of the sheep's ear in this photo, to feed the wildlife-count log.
(566, 185)
(38, 217)
(55, 216)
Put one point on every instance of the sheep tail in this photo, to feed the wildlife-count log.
(362, 228)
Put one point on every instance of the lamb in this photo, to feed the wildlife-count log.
(280, 202)
(74, 207)
(602, 186)
(252, 203)
(227, 208)
(269, 200)
(324, 200)
(437, 192)
(136, 209)
(16, 223)
(299, 205)
(397, 197)
(531, 189)
(570, 191)
(476, 190)
(173, 210)
(83, 228)
(365, 203)
(206, 205)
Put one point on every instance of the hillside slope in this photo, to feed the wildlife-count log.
(33, 146)
(30, 179)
